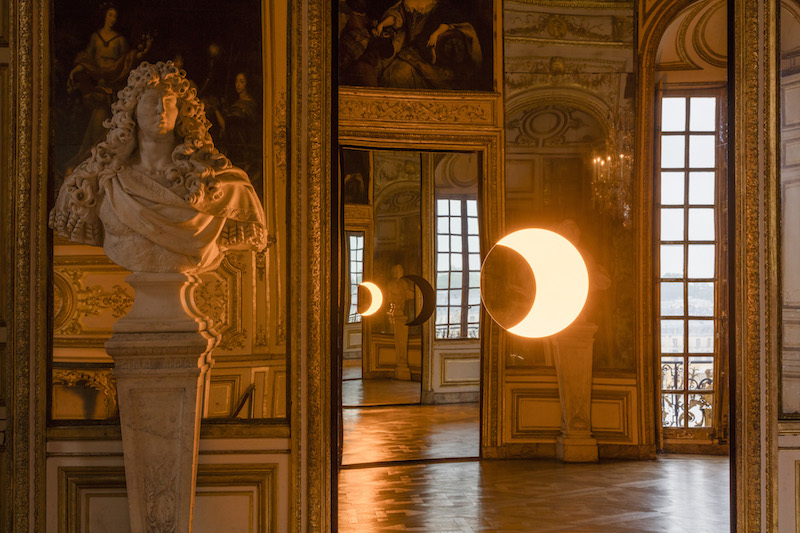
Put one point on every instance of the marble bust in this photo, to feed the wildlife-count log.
(156, 194)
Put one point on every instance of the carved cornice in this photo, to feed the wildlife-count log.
(394, 107)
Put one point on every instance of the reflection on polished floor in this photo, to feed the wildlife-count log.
(363, 392)
(410, 432)
(405, 470)
(672, 494)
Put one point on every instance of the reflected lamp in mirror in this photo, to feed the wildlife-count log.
(370, 298)
(534, 283)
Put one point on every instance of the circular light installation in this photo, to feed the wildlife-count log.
(428, 299)
(376, 298)
(539, 265)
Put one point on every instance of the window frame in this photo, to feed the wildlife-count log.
(674, 438)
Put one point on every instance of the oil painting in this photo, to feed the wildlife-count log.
(95, 45)
(416, 44)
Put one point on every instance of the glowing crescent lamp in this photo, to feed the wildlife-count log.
(560, 276)
(377, 298)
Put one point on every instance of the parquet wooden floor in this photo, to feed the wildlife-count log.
(362, 392)
(679, 494)
(379, 434)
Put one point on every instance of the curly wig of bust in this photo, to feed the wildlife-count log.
(195, 159)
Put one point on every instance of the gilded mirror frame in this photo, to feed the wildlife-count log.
(491, 202)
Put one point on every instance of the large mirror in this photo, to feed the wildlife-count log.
(789, 131)
(412, 233)
(234, 54)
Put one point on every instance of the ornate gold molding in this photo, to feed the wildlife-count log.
(313, 265)
(100, 380)
(392, 106)
(757, 302)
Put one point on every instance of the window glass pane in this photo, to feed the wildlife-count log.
(455, 226)
(672, 410)
(474, 314)
(441, 297)
(701, 336)
(442, 278)
(442, 243)
(701, 261)
(699, 410)
(701, 224)
(455, 262)
(702, 151)
(474, 244)
(701, 299)
(455, 316)
(672, 151)
(441, 315)
(701, 188)
(455, 280)
(671, 298)
(474, 279)
(475, 297)
(455, 244)
(701, 373)
(472, 226)
(472, 208)
(443, 261)
(474, 261)
(672, 336)
(443, 225)
(672, 184)
(455, 208)
(673, 114)
(703, 114)
(672, 373)
(671, 260)
(455, 297)
(672, 224)
(442, 207)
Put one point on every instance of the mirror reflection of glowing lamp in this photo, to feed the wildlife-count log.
(375, 298)
(534, 283)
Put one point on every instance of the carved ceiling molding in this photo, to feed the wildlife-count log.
(550, 126)
(587, 101)
(394, 107)
(569, 29)
(449, 172)
(576, 4)
(602, 77)
(700, 36)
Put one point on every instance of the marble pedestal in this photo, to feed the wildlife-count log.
(162, 353)
(572, 352)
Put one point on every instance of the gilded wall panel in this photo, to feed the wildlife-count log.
(229, 497)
